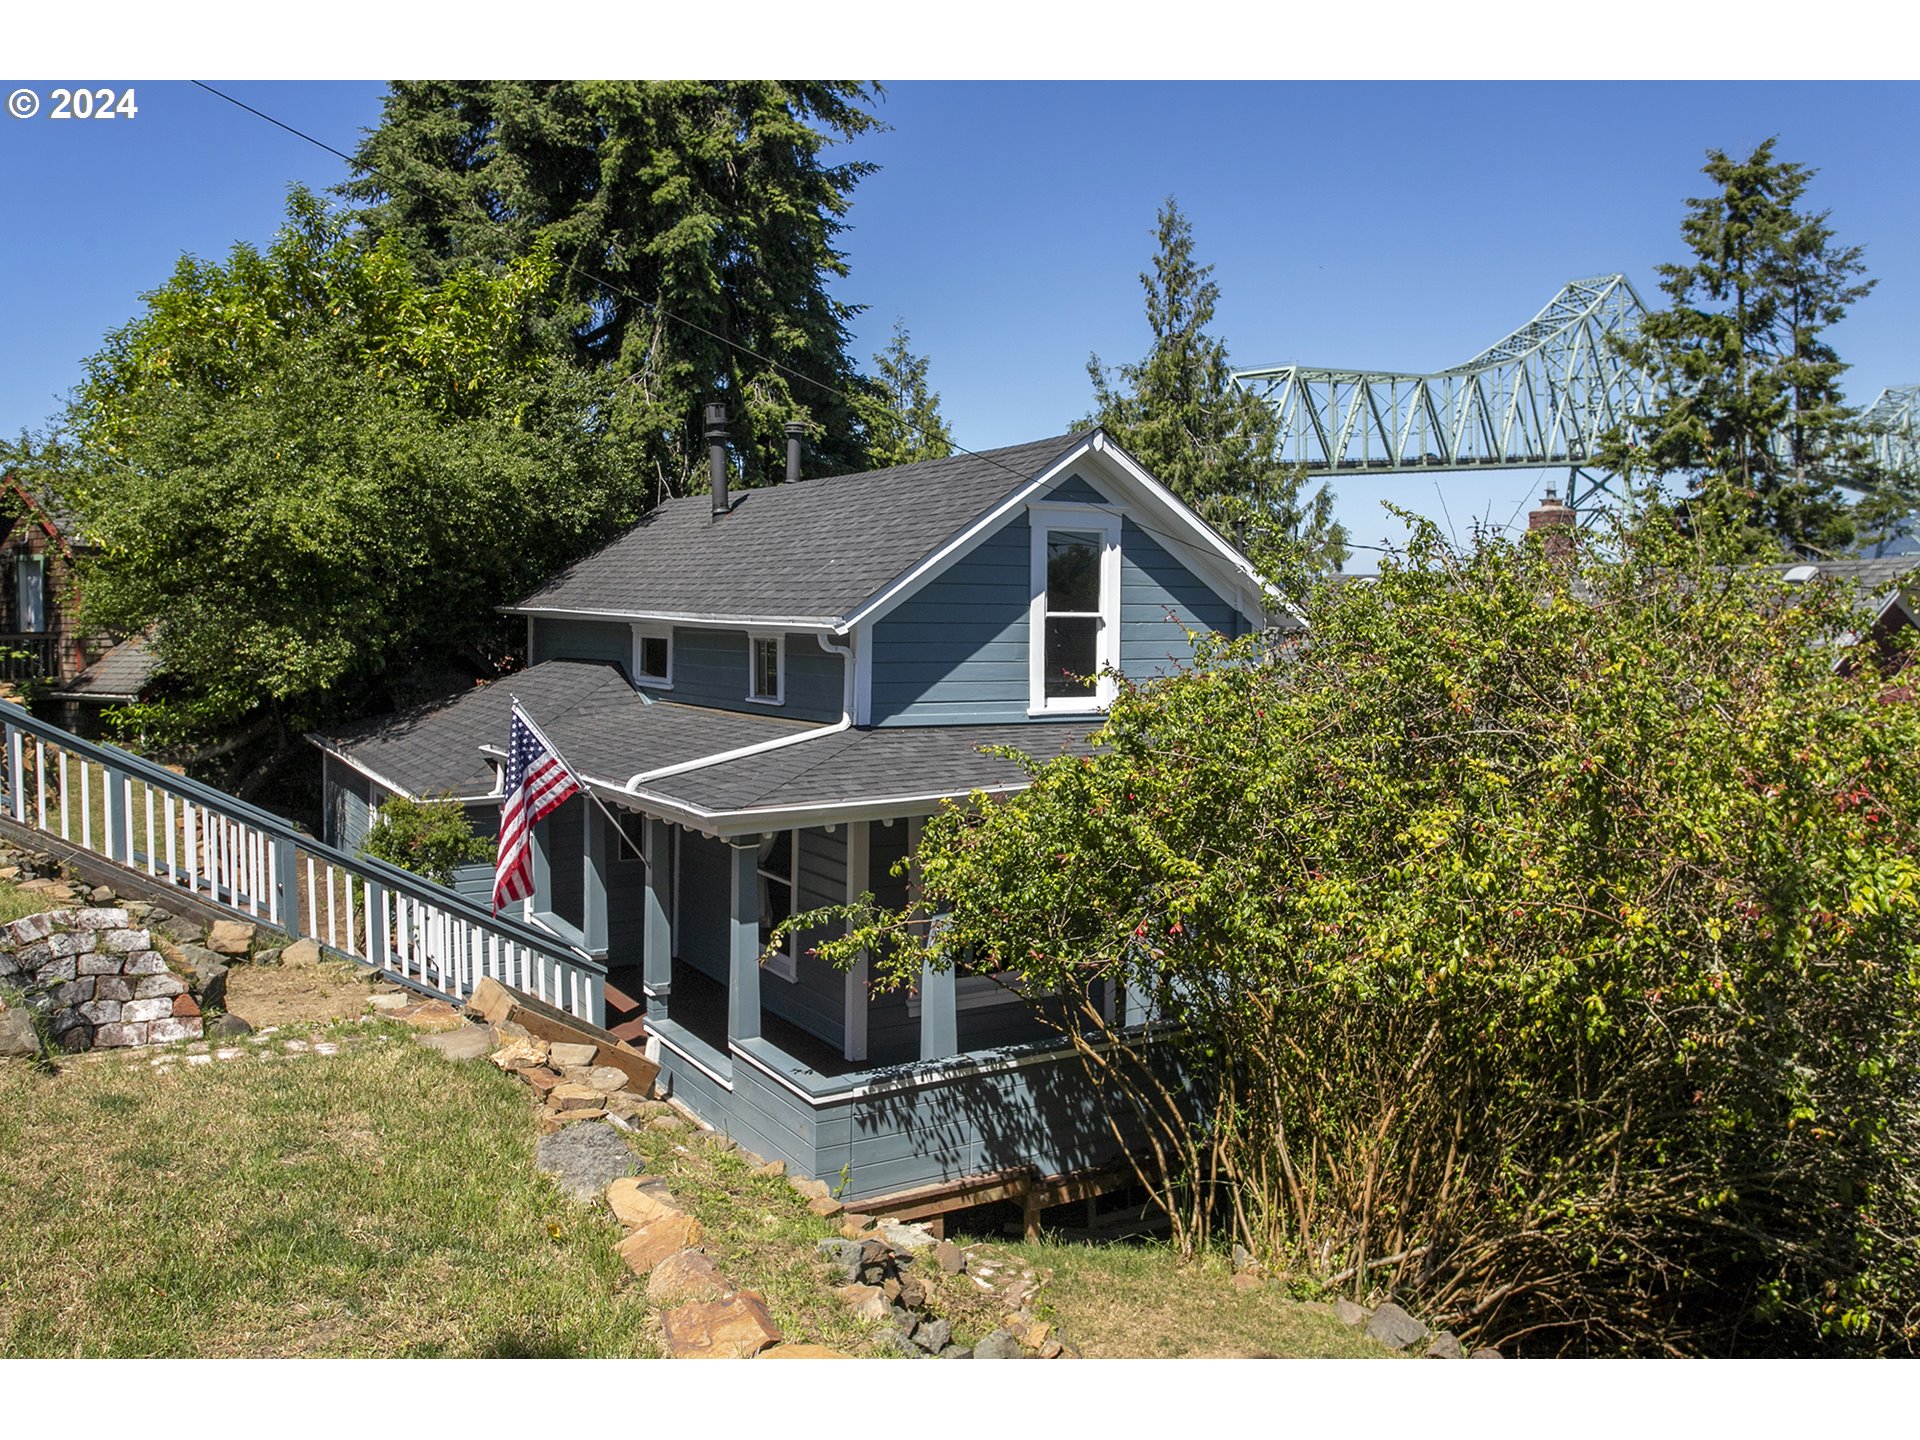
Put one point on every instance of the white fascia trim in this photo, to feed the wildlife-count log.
(898, 590)
(354, 765)
(1203, 534)
(807, 623)
(725, 1082)
(725, 823)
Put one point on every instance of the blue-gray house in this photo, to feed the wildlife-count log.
(772, 695)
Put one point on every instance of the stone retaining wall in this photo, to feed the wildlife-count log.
(96, 981)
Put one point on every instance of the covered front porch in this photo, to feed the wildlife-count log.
(873, 1094)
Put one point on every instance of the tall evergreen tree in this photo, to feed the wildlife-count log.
(1752, 412)
(694, 227)
(903, 421)
(1212, 443)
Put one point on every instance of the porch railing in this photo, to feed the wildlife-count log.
(27, 656)
(178, 832)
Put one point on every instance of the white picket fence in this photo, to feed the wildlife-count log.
(179, 832)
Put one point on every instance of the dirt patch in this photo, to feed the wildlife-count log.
(289, 995)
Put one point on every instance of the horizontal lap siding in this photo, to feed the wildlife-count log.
(606, 640)
(1044, 1115)
(772, 1122)
(1010, 1022)
(694, 1089)
(1160, 601)
(955, 653)
(475, 882)
(710, 668)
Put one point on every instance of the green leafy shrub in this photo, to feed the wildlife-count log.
(1532, 940)
(430, 837)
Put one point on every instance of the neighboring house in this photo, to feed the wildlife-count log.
(40, 635)
(119, 677)
(39, 639)
(1883, 585)
(772, 696)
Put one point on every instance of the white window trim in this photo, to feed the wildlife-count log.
(1042, 518)
(779, 639)
(783, 962)
(651, 632)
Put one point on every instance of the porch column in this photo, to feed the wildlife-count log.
(657, 934)
(593, 877)
(743, 969)
(939, 1013)
(939, 1016)
(859, 879)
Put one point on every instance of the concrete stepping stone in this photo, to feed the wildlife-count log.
(584, 1159)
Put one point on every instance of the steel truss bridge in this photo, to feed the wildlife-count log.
(1542, 397)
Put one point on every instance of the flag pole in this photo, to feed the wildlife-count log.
(579, 780)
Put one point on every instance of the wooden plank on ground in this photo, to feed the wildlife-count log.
(497, 1004)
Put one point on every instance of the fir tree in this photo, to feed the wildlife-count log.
(1751, 412)
(903, 419)
(694, 227)
(1215, 445)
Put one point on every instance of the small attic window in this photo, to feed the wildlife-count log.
(1800, 574)
(653, 656)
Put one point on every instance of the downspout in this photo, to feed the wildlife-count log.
(765, 747)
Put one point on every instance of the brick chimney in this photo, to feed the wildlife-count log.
(1555, 520)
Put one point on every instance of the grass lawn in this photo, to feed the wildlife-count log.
(378, 1202)
(384, 1202)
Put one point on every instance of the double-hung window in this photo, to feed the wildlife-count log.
(766, 669)
(1074, 623)
(779, 883)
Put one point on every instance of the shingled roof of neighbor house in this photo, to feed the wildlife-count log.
(599, 722)
(119, 675)
(809, 552)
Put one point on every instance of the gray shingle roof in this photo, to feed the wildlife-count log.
(1874, 577)
(809, 551)
(890, 763)
(598, 721)
(120, 674)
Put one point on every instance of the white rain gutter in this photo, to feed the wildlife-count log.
(765, 747)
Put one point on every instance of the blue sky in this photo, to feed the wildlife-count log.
(1385, 225)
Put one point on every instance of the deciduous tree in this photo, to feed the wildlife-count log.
(1532, 940)
(312, 468)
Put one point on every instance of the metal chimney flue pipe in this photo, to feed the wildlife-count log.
(796, 432)
(717, 454)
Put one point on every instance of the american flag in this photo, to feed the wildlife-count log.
(536, 783)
